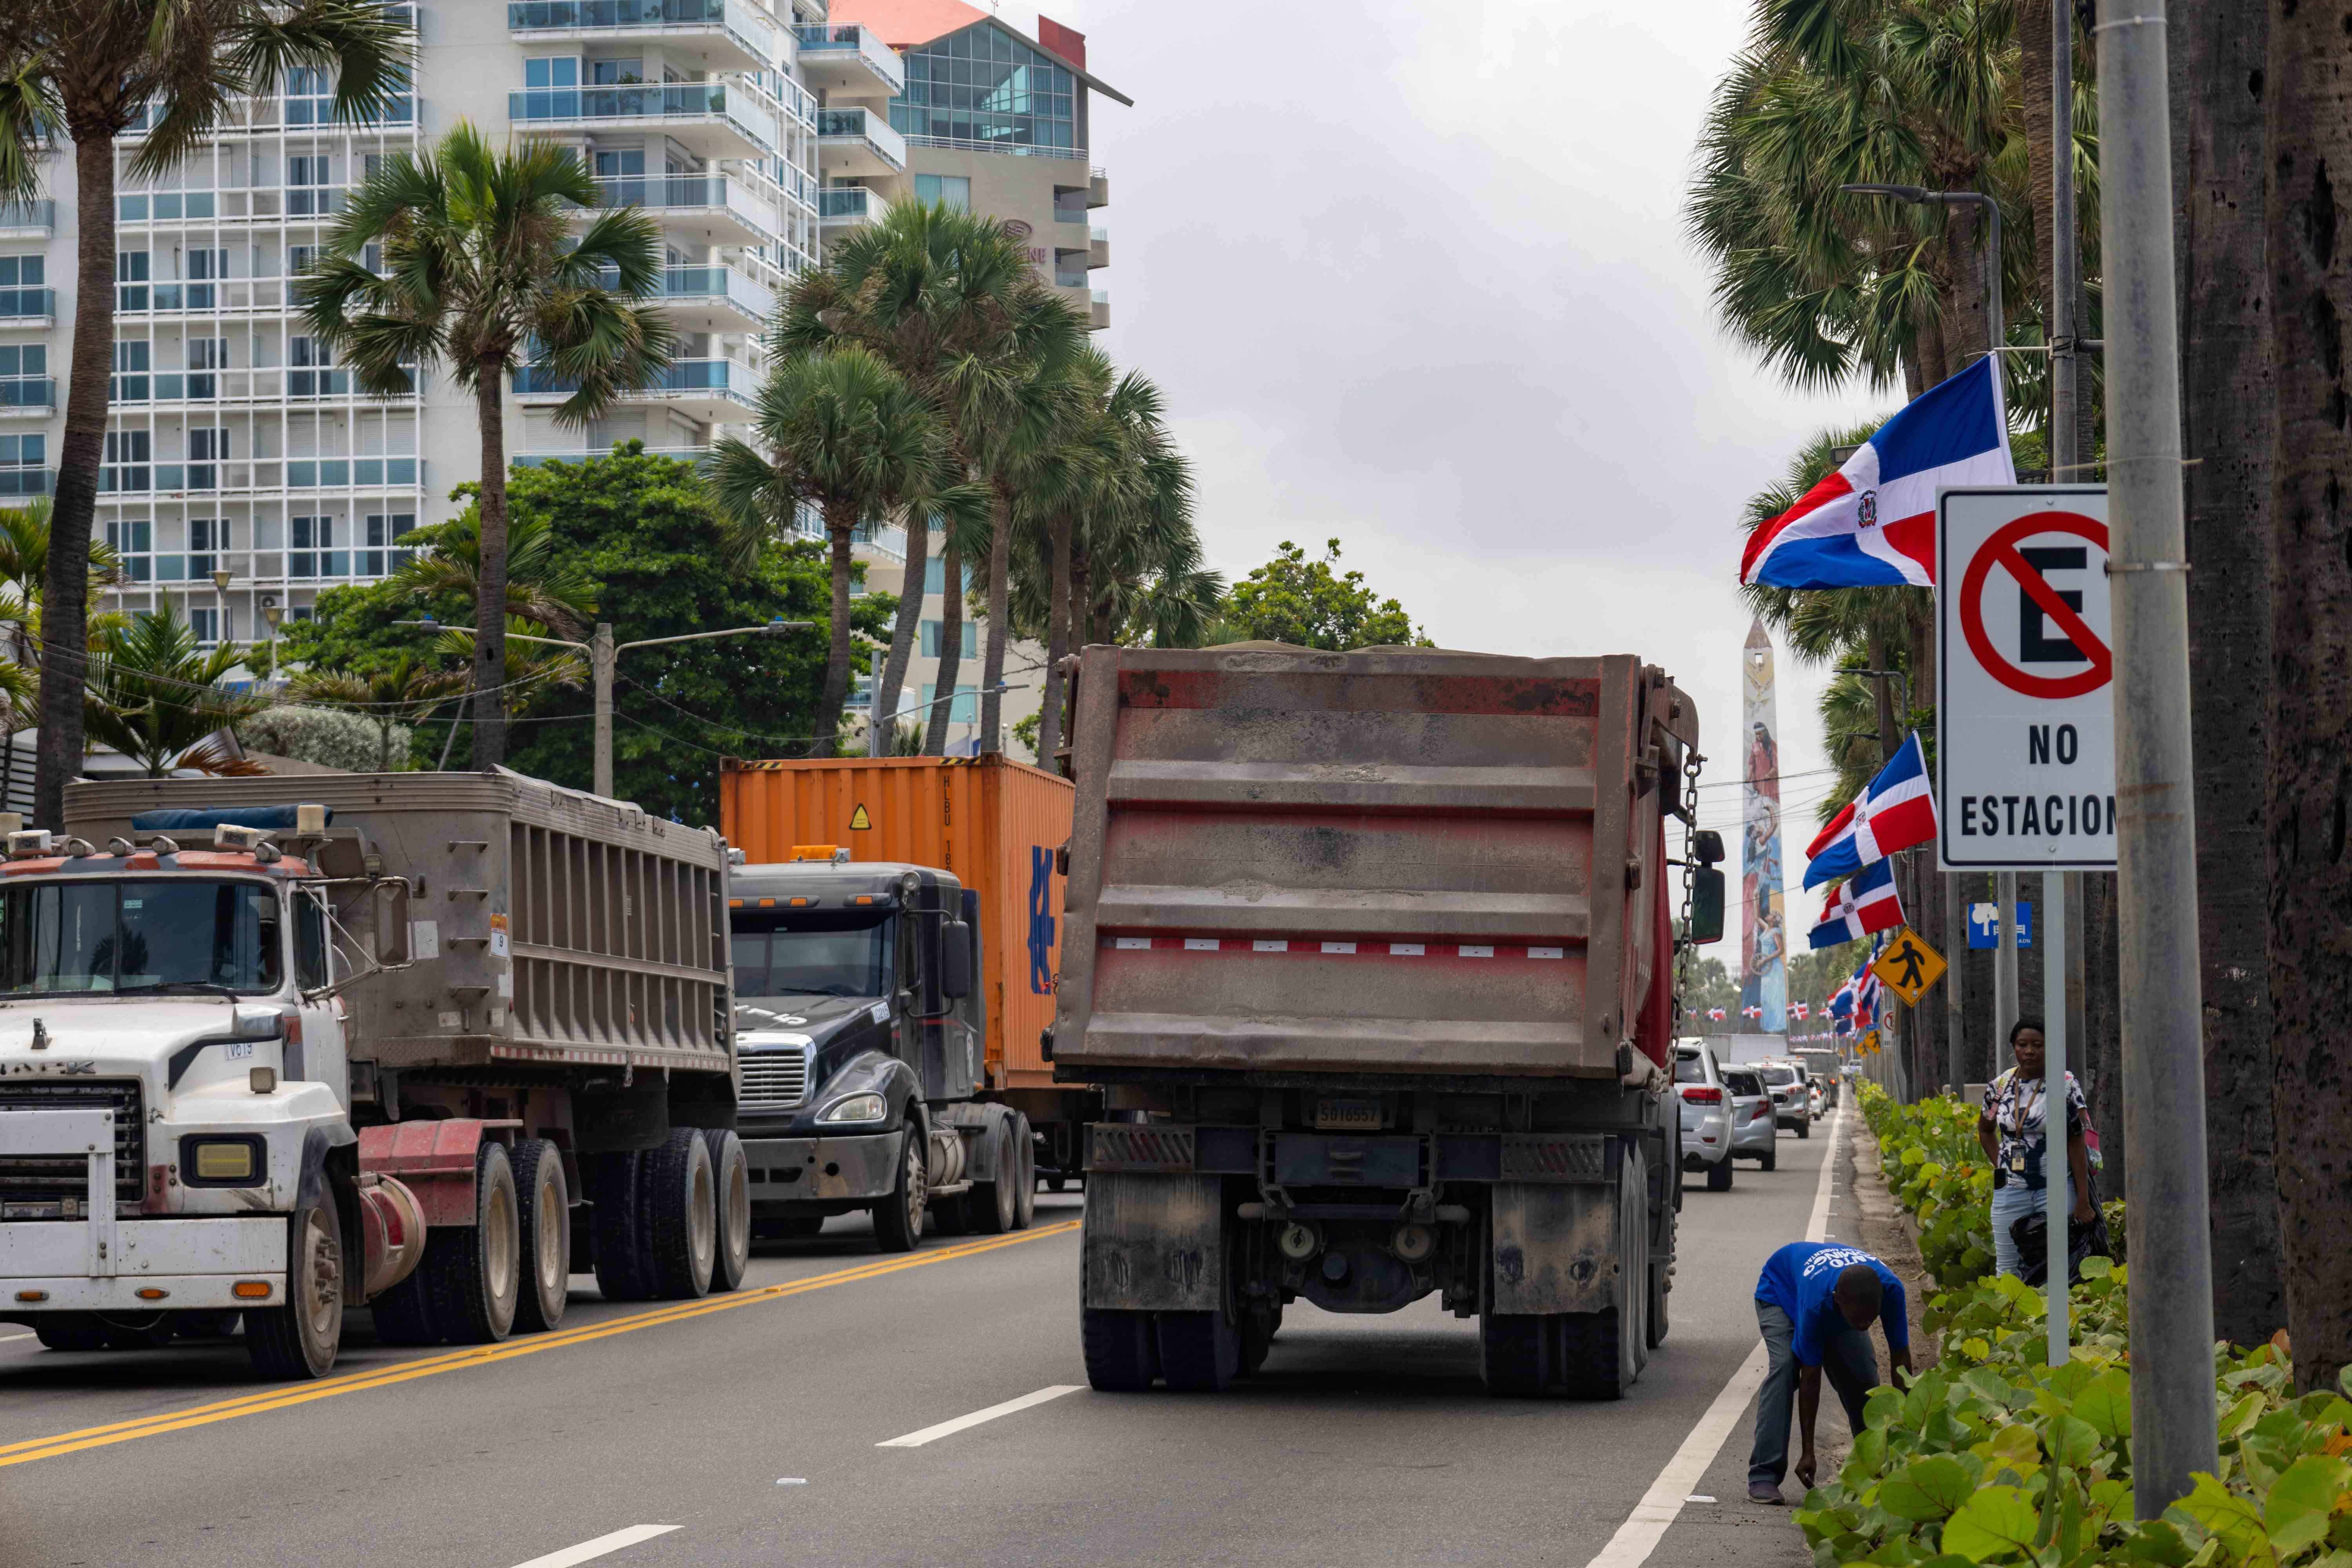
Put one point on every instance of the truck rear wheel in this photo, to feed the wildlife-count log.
(899, 1218)
(474, 1272)
(1515, 1354)
(1121, 1350)
(621, 1271)
(1600, 1353)
(543, 1204)
(300, 1338)
(69, 1332)
(682, 1215)
(1200, 1353)
(732, 1257)
(994, 1206)
(1025, 1186)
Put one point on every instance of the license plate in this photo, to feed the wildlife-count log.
(1333, 1115)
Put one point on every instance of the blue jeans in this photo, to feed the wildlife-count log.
(1848, 1361)
(2011, 1202)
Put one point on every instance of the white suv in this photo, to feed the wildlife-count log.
(1705, 1114)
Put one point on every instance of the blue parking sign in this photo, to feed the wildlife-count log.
(1984, 924)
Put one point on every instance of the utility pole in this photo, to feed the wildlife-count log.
(2056, 1208)
(2004, 969)
(2166, 1208)
(601, 659)
(1956, 943)
(2068, 465)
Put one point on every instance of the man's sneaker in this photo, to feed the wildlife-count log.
(1758, 1492)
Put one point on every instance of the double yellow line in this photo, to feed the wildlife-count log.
(283, 1397)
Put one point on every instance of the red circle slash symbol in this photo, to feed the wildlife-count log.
(2001, 551)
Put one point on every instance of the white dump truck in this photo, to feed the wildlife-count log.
(417, 1042)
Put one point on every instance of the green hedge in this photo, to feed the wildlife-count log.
(1994, 1456)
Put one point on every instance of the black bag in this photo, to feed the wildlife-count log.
(2032, 1234)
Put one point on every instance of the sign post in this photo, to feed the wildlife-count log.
(2025, 747)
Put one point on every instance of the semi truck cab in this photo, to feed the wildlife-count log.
(860, 1034)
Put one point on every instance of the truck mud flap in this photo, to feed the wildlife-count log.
(1154, 1242)
(1556, 1246)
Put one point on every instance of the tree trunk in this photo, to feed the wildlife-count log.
(840, 520)
(64, 595)
(1000, 589)
(2310, 263)
(1933, 369)
(935, 721)
(2228, 414)
(491, 578)
(1058, 644)
(911, 592)
(2034, 80)
(1966, 330)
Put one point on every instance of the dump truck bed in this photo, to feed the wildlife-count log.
(546, 925)
(1387, 862)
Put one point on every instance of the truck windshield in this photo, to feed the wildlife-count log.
(775, 959)
(65, 938)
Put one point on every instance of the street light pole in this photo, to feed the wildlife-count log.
(602, 657)
(272, 614)
(221, 580)
(2173, 1434)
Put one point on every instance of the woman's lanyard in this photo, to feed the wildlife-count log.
(2029, 1118)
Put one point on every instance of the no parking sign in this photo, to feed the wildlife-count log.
(2025, 753)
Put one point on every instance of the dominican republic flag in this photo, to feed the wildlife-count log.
(1872, 523)
(1716, 1014)
(1861, 904)
(1801, 1009)
(1751, 1012)
(1896, 811)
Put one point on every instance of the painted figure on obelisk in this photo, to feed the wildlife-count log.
(1763, 950)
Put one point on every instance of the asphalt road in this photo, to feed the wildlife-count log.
(756, 1428)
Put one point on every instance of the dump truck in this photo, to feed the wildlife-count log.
(1372, 954)
(417, 1042)
(989, 827)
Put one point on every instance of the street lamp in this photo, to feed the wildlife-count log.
(221, 580)
(603, 654)
(1919, 196)
(272, 614)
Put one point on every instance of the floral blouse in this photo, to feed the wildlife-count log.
(2017, 1107)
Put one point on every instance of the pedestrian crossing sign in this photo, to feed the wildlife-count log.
(1907, 966)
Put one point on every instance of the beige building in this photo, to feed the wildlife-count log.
(991, 120)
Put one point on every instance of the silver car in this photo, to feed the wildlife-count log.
(1755, 1125)
(1792, 1097)
(1705, 1115)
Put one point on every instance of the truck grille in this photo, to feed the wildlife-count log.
(45, 1179)
(775, 1080)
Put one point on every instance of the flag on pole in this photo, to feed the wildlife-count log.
(1872, 523)
(1751, 1012)
(1800, 1010)
(1896, 810)
(1863, 903)
(1716, 1014)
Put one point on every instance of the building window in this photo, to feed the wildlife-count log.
(206, 355)
(205, 536)
(935, 639)
(983, 88)
(314, 554)
(129, 458)
(307, 175)
(298, 259)
(24, 376)
(20, 272)
(207, 450)
(130, 383)
(377, 560)
(310, 97)
(132, 540)
(963, 709)
(205, 269)
(953, 191)
(616, 73)
(129, 279)
(23, 465)
(311, 375)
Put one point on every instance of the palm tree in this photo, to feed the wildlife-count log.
(840, 430)
(523, 674)
(543, 583)
(156, 696)
(384, 696)
(485, 278)
(91, 69)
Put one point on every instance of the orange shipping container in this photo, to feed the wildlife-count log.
(993, 822)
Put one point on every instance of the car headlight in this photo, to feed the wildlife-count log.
(855, 1108)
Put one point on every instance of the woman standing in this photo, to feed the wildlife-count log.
(2015, 1138)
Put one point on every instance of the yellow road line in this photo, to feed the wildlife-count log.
(33, 1449)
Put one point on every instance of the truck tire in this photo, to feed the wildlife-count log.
(1600, 1353)
(543, 1208)
(899, 1218)
(612, 1187)
(69, 1332)
(681, 1214)
(1661, 1281)
(732, 1177)
(1515, 1354)
(300, 1338)
(403, 1314)
(1025, 1186)
(1121, 1350)
(475, 1272)
(1200, 1353)
(994, 1206)
(1260, 1323)
(1718, 1175)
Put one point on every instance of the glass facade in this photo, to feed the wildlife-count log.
(983, 88)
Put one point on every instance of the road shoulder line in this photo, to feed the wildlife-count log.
(965, 1422)
(603, 1546)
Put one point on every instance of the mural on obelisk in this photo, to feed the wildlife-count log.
(1764, 948)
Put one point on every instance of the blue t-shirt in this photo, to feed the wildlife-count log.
(1799, 1278)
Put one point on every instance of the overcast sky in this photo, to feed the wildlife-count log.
(1414, 276)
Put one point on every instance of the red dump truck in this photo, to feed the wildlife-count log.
(1372, 954)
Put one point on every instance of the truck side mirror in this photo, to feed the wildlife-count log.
(1705, 903)
(1707, 848)
(955, 960)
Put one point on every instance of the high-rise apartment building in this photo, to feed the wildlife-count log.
(990, 119)
(237, 443)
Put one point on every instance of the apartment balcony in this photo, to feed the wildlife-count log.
(714, 300)
(695, 455)
(1069, 207)
(28, 220)
(28, 397)
(857, 143)
(1098, 188)
(719, 209)
(1097, 248)
(29, 306)
(262, 477)
(849, 61)
(22, 481)
(1099, 311)
(707, 118)
(727, 34)
(273, 384)
(845, 208)
(709, 390)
